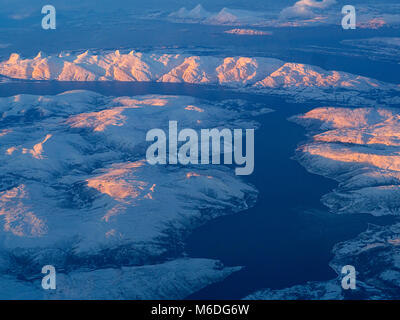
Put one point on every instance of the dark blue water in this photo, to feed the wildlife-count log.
(287, 237)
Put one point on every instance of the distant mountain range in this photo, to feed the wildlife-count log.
(266, 75)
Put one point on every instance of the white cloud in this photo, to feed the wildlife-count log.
(304, 8)
(20, 16)
(316, 4)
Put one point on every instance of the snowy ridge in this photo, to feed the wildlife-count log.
(75, 192)
(360, 149)
(136, 66)
(225, 16)
(263, 75)
(301, 13)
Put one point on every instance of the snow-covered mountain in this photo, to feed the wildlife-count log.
(225, 16)
(197, 13)
(299, 14)
(375, 254)
(76, 193)
(360, 149)
(263, 75)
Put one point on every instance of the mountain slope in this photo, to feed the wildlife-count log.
(77, 193)
(360, 149)
(263, 75)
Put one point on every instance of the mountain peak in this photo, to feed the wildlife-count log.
(40, 55)
(14, 57)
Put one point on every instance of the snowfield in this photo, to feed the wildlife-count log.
(77, 193)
